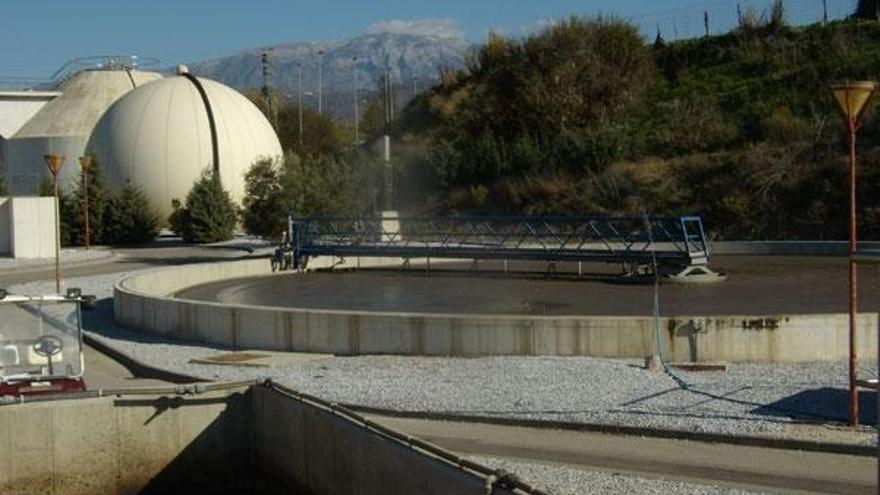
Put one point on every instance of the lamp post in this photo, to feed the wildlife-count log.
(54, 162)
(85, 162)
(853, 98)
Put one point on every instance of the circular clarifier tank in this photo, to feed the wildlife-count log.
(758, 285)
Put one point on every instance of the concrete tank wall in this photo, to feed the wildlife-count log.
(143, 302)
(172, 444)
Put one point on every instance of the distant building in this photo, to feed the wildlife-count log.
(64, 125)
(160, 137)
(155, 132)
(16, 109)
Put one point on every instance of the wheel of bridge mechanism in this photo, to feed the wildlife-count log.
(695, 274)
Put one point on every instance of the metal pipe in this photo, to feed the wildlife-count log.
(57, 236)
(853, 280)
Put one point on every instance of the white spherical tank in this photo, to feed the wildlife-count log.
(159, 137)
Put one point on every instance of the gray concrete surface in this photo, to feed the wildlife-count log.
(161, 253)
(223, 440)
(103, 372)
(121, 445)
(142, 301)
(731, 465)
(69, 257)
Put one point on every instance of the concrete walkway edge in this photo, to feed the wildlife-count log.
(672, 434)
(135, 366)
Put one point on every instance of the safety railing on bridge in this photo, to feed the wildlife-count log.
(631, 241)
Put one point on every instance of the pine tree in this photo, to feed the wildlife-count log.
(128, 218)
(209, 214)
(98, 196)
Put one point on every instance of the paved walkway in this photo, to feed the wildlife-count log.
(68, 256)
(733, 465)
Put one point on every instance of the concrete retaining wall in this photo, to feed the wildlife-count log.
(142, 301)
(210, 443)
(119, 446)
(315, 449)
(27, 227)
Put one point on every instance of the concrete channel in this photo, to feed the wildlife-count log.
(222, 438)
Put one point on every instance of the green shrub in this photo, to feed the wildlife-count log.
(327, 185)
(209, 214)
(128, 218)
(264, 211)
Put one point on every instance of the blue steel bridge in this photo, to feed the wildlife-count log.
(675, 244)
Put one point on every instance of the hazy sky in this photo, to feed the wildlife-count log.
(38, 36)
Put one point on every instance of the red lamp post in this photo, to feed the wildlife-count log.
(54, 162)
(853, 98)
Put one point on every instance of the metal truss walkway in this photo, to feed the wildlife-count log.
(675, 242)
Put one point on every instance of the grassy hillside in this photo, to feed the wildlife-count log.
(585, 117)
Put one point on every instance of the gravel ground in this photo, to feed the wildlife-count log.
(566, 480)
(745, 399)
(68, 255)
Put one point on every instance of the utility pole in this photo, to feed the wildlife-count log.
(706, 21)
(267, 90)
(387, 99)
(824, 12)
(320, 83)
(415, 86)
(354, 71)
(388, 197)
(390, 95)
(299, 100)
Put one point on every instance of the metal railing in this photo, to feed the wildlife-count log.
(675, 241)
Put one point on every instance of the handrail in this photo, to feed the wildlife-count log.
(678, 241)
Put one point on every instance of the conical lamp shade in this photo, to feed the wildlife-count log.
(54, 162)
(853, 97)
